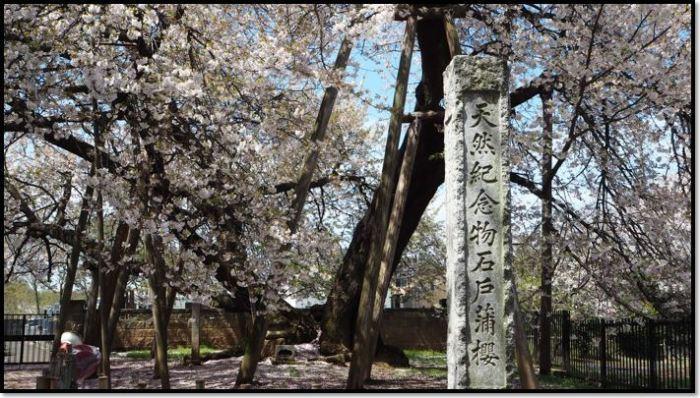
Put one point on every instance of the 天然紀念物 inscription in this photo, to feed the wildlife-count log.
(480, 344)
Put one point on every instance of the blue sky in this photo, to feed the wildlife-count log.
(381, 82)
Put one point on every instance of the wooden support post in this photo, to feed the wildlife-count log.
(361, 362)
(200, 384)
(526, 370)
(436, 117)
(43, 382)
(103, 382)
(301, 190)
(196, 311)
(392, 236)
(452, 36)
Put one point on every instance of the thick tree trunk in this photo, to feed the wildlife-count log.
(255, 339)
(340, 312)
(120, 291)
(67, 290)
(545, 345)
(165, 314)
(107, 286)
(161, 336)
(159, 307)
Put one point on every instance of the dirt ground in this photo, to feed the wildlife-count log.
(306, 373)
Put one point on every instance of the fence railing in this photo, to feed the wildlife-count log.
(28, 338)
(629, 353)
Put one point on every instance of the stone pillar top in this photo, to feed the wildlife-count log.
(477, 74)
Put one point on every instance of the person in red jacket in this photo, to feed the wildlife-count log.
(87, 357)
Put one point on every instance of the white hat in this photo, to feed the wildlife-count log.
(70, 337)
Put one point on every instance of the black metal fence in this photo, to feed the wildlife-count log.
(28, 338)
(628, 353)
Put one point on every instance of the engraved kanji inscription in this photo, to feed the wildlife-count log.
(485, 263)
(481, 233)
(485, 319)
(482, 143)
(480, 330)
(484, 353)
(483, 203)
(481, 114)
(481, 172)
(485, 286)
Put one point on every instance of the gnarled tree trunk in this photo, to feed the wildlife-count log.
(254, 341)
(159, 307)
(340, 312)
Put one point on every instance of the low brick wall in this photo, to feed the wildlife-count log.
(403, 328)
(219, 329)
(415, 328)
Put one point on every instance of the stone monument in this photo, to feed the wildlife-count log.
(480, 333)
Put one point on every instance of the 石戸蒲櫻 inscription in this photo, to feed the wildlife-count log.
(480, 343)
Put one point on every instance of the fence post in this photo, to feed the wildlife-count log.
(196, 311)
(103, 382)
(43, 382)
(21, 343)
(566, 341)
(602, 355)
(651, 353)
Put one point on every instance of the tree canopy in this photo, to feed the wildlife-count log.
(185, 127)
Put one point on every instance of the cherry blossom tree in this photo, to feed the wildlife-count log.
(168, 142)
(590, 64)
(192, 128)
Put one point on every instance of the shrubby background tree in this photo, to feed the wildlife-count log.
(423, 264)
